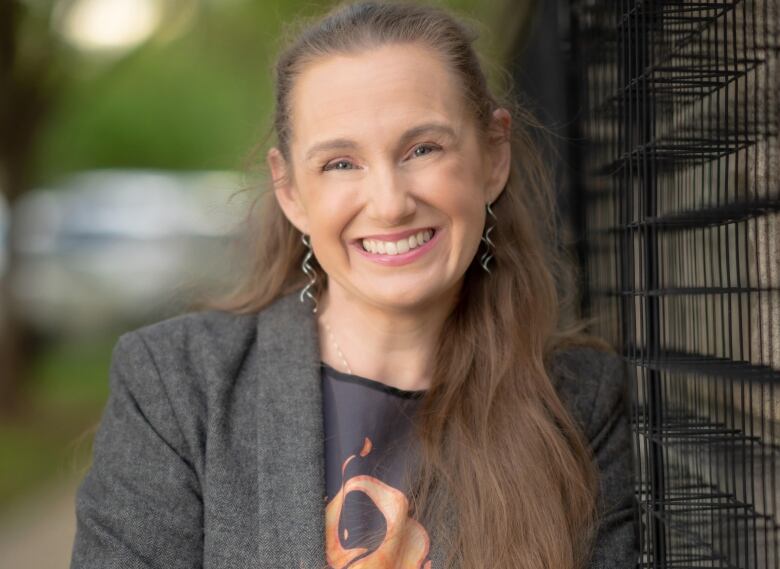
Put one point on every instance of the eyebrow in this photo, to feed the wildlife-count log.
(414, 132)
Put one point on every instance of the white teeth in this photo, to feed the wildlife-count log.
(397, 247)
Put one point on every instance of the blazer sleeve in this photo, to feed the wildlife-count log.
(140, 504)
(617, 539)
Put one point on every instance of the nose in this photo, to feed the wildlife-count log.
(390, 201)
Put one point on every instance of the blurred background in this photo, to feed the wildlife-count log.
(126, 131)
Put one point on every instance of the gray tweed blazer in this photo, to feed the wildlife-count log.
(209, 452)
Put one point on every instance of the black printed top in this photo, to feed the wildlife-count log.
(369, 449)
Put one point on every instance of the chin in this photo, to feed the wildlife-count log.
(413, 297)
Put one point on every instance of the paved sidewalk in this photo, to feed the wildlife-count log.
(37, 532)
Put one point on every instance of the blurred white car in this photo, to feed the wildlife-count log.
(112, 247)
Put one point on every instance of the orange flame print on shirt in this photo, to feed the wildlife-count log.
(406, 543)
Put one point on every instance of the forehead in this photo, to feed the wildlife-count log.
(379, 92)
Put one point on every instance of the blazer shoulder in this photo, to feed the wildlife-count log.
(194, 343)
(216, 328)
(195, 359)
(589, 381)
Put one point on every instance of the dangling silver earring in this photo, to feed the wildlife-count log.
(489, 246)
(309, 271)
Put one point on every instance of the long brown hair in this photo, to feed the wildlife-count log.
(497, 444)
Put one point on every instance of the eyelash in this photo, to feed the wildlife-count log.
(329, 165)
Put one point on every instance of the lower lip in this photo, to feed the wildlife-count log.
(402, 259)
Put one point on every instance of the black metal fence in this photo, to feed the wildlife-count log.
(680, 193)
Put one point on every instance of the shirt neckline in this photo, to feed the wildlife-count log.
(374, 384)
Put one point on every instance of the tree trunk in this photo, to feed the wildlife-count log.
(26, 87)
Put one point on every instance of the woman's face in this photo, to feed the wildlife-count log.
(389, 177)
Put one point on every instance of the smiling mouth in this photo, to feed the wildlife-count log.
(397, 246)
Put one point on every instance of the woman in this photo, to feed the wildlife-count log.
(393, 386)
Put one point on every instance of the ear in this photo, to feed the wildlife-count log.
(285, 190)
(499, 157)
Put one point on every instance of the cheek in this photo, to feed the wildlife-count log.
(327, 234)
(329, 207)
(456, 190)
(329, 222)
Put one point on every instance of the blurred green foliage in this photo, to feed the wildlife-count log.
(195, 102)
(72, 374)
(64, 402)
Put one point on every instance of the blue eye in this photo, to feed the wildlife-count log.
(429, 147)
(337, 165)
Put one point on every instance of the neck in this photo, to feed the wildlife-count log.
(394, 346)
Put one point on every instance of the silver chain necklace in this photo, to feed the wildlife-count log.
(336, 345)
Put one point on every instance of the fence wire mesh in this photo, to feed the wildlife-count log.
(680, 107)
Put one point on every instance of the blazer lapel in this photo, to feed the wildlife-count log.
(290, 450)
(291, 465)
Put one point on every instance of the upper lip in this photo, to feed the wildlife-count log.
(398, 234)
